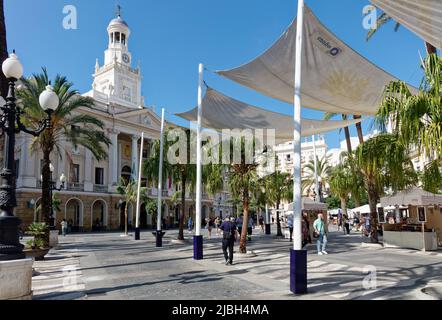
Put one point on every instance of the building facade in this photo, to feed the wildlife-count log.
(89, 199)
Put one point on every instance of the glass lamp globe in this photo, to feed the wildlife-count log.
(49, 99)
(51, 167)
(12, 67)
(62, 178)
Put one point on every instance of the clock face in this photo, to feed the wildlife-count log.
(126, 58)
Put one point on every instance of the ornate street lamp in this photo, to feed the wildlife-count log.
(10, 125)
(53, 187)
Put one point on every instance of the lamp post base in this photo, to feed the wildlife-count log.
(298, 271)
(159, 238)
(268, 229)
(10, 246)
(198, 247)
(137, 234)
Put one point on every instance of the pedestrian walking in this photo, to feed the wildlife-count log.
(228, 228)
(217, 225)
(320, 233)
(346, 224)
(306, 238)
(339, 219)
(209, 227)
(190, 224)
(261, 223)
(64, 227)
(290, 226)
(239, 223)
(250, 227)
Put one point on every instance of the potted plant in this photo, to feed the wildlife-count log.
(37, 247)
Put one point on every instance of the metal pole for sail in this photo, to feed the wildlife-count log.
(137, 216)
(198, 238)
(159, 234)
(298, 257)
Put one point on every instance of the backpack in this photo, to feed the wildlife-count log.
(230, 235)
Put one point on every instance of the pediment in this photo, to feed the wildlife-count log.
(145, 117)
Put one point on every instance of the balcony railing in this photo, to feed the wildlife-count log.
(75, 186)
(100, 188)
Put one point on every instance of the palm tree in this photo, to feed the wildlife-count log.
(384, 163)
(384, 19)
(328, 116)
(341, 184)
(358, 192)
(183, 173)
(67, 122)
(323, 171)
(243, 179)
(3, 52)
(129, 189)
(417, 119)
(279, 187)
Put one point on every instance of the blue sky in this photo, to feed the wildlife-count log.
(170, 38)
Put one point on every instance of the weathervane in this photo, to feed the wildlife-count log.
(118, 12)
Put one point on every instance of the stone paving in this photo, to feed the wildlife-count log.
(107, 266)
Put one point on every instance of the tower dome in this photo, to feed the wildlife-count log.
(118, 21)
(118, 30)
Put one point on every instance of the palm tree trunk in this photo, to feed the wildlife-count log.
(373, 201)
(245, 223)
(344, 205)
(125, 218)
(359, 129)
(183, 205)
(46, 193)
(347, 139)
(278, 222)
(3, 52)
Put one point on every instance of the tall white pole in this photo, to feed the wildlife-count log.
(137, 224)
(160, 172)
(297, 190)
(316, 170)
(198, 153)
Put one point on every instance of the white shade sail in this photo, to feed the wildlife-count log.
(222, 112)
(423, 17)
(335, 78)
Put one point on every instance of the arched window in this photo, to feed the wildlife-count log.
(117, 37)
(123, 39)
(126, 173)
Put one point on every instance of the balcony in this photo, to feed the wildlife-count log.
(74, 186)
(100, 188)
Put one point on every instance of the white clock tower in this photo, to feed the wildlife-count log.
(116, 78)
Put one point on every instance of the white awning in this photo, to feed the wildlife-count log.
(222, 112)
(335, 78)
(423, 17)
(412, 197)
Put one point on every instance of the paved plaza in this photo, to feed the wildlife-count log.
(106, 266)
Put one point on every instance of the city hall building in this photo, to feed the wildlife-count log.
(89, 199)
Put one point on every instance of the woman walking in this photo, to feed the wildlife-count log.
(320, 231)
(209, 227)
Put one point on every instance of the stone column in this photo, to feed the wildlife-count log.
(88, 176)
(113, 160)
(135, 156)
